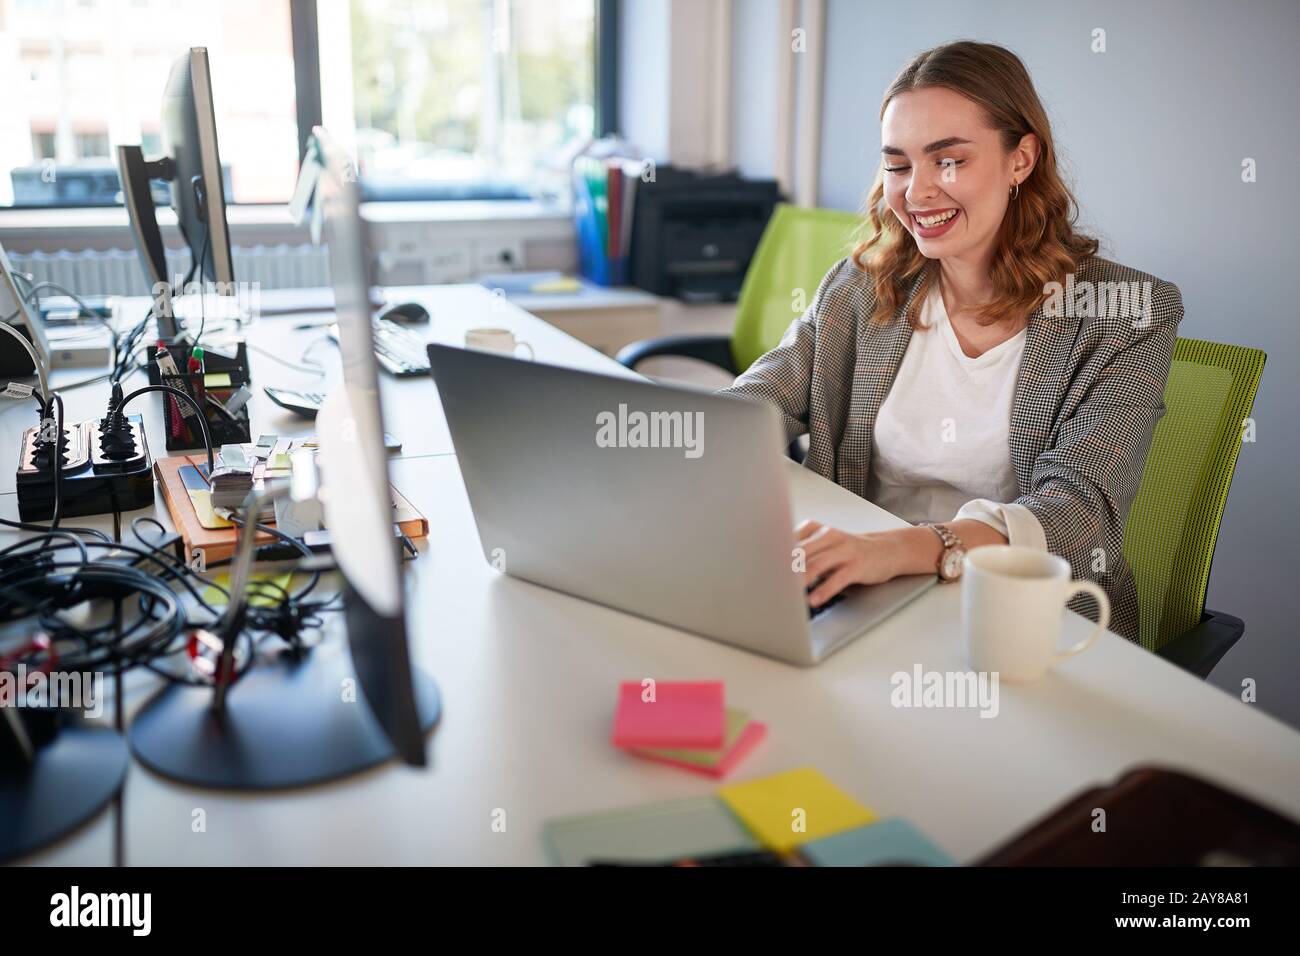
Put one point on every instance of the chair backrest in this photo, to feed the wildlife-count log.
(796, 250)
(1171, 531)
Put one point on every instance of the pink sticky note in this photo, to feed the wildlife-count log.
(687, 714)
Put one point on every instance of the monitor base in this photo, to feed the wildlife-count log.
(287, 723)
(72, 778)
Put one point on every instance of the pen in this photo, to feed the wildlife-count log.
(166, 364)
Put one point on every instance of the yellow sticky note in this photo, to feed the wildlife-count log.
(264, 590)
(551, 286)
(208, 519)
(216, 380)
(794, 807)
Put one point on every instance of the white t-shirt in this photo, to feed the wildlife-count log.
(940, 447)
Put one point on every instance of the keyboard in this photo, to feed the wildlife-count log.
(306, 404)
(816, 612)
(400, 350)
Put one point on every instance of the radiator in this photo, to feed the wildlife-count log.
(118, 272)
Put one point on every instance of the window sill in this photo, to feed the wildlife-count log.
(114, 218)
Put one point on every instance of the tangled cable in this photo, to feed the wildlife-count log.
(46, 576)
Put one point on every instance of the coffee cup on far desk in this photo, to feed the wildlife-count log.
(1012, 607)
(496, 340)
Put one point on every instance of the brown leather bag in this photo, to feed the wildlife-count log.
(1155, 817)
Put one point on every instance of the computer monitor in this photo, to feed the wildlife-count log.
(15, 310)
(354, 471)
(191, 164)
(275, 727)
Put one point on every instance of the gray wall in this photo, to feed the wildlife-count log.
(1153, 132)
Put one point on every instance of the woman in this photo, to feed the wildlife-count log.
(974, 367)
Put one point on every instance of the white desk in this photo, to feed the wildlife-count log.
(529, 677)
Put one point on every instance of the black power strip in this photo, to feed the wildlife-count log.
(104, 469)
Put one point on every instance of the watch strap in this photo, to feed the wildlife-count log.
(951, 543)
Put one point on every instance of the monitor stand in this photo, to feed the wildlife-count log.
(288, 722)
(58, 784)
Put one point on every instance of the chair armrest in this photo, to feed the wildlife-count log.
(714, 349)
(1201, 648)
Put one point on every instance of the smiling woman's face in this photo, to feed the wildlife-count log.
(947, 174)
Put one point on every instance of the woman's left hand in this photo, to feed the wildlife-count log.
(838, 559)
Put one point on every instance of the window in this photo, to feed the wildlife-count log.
(91, 146)
(439, 99)
(462, 98)
(91, 74)
(42, 146)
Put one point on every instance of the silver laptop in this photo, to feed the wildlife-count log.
(668, 503)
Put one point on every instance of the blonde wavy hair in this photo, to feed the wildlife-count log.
(1037, 243)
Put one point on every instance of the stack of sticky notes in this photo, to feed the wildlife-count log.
(684, 723)
(797, 818)
(800, 811)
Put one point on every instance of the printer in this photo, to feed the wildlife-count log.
(694, 232)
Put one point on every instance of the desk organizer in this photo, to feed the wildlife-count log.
(226, 427)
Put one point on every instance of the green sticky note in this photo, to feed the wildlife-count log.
(737, 721)
(216, 380)
(264, 590)
(691, 827)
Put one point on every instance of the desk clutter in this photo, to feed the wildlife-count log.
(193, 501)
(796, 818)
(219, 383)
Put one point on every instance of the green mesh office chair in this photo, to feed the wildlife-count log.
(1172, 527)
(796, 250)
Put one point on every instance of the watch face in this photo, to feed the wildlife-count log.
(952, 565)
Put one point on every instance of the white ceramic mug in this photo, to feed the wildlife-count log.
(496, 340)
(1012, 606)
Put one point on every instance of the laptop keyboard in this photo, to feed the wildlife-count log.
(816, 612)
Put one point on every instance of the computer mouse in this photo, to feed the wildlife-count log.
(406, 312)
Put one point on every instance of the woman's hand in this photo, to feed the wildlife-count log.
(837, 559)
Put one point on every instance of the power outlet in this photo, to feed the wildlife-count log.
(499, 255)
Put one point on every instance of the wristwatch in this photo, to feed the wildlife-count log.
(949, 565)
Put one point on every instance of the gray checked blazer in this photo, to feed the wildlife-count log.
(1088, 395)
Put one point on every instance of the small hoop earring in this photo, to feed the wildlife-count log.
(1014, 191)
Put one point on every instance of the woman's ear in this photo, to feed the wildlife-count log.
(1025, 156)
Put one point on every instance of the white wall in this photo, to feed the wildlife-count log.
(644, 64)
(755, 40)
